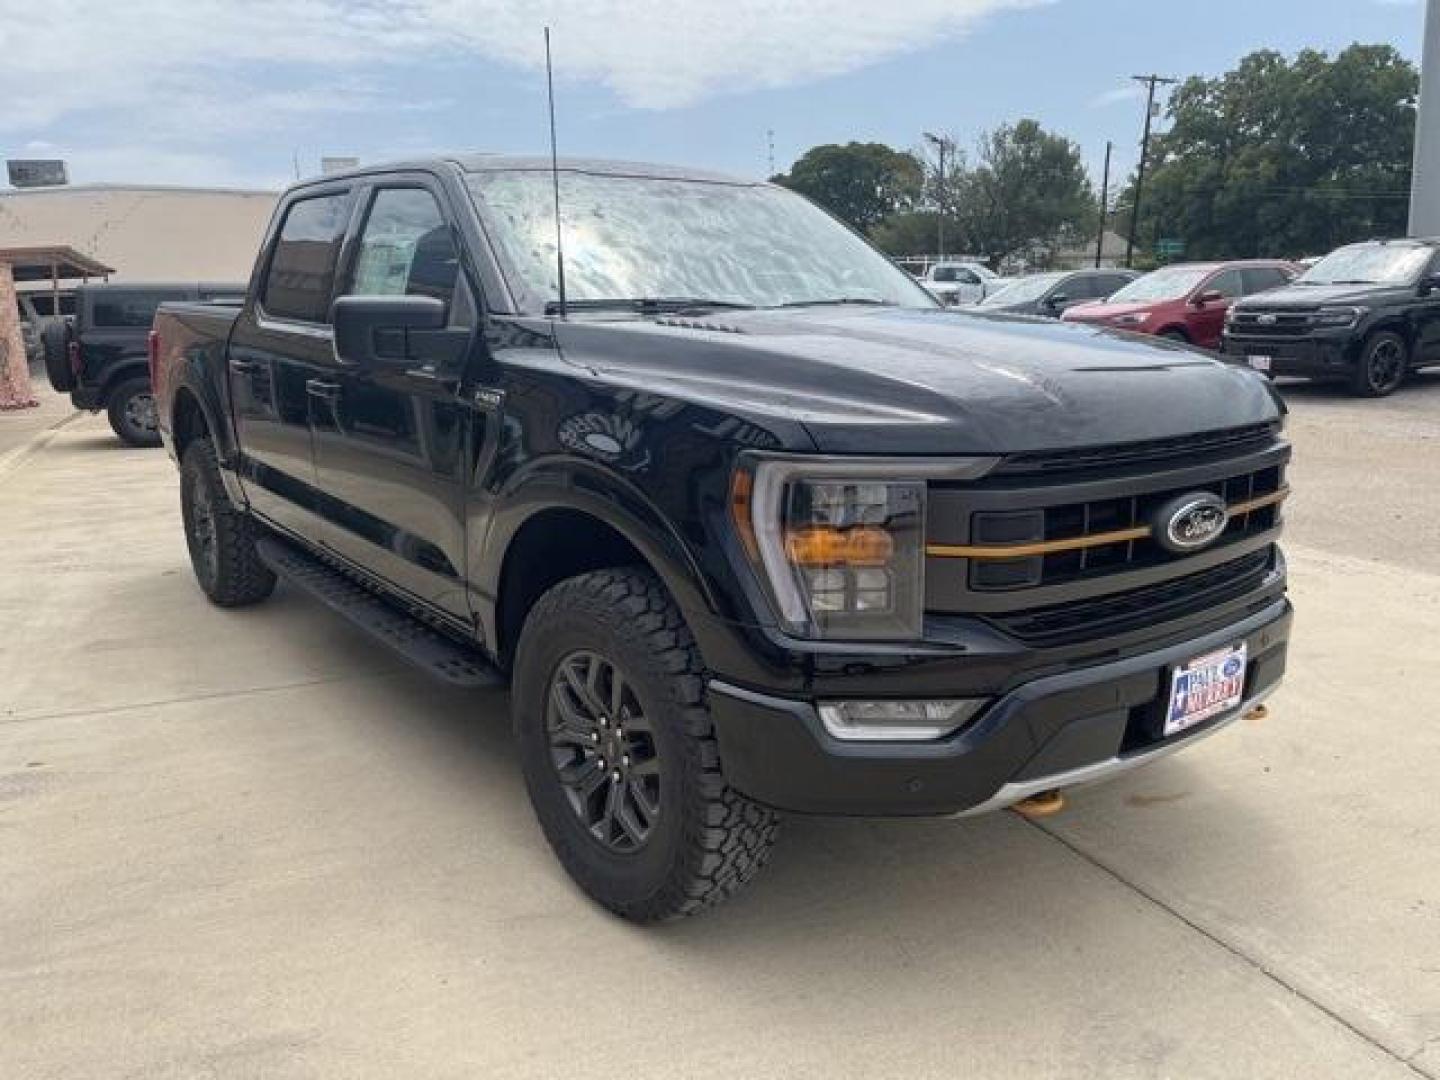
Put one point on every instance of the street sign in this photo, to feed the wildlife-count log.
(33, 172)
(1169, 248)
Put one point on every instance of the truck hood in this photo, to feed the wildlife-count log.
(1311, 297)
(900, 381)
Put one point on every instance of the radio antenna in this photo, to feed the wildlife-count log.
(555, 176)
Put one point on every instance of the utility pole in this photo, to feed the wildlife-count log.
(770, 146)
(1151, 81)
(1104, 205)
(942, 144)
(1425, 180)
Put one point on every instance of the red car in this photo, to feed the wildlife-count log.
(1187, 301)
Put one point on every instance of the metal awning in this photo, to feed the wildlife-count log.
(52, 264)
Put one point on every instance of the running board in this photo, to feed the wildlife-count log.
(440, 655)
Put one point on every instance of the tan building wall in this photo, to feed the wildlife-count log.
(145, 233)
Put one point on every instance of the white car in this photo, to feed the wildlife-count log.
(962, 282)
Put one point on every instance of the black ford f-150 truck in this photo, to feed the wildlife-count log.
(749, 522)
(1367, 314)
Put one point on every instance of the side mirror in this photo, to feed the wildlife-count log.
(1429, 283)
(1209, 296)
(1057, 300)
(375, 330)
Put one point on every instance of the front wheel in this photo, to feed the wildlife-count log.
(1381, 367)
(619, 752)
(132, 412)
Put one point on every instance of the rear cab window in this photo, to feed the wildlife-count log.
(300, 277)
(116, 309)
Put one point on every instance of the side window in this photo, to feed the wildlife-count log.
(1228, 284)
(1110, 284)
(967, 277)
(302, 270)
(1080, 287)
(406, 248)
(1260, 278)
(128, 309)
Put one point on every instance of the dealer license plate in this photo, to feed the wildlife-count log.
(1205, 687)
(1260, 363)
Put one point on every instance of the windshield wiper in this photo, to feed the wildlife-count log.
(645, 305)
(835, 301)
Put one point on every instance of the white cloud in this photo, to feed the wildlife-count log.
(1133, 92)
(185, 64)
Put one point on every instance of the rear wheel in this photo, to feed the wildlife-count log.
(1175, 335)
(132, 412)
(619, 752)
(221, 538)
(1381, 367)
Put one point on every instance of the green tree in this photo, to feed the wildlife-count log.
(1285, 158)
(860, 183)
(1027, 193)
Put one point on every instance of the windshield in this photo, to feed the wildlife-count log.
(632, 238)
(1171, 283)
(1023, 291)
(1369, 264)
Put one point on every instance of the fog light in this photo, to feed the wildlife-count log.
(897, 721)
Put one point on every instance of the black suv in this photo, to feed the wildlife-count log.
(1367, 314)
(99, 358)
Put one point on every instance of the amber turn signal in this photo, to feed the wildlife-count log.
(863, 545)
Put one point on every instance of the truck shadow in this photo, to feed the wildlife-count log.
(987, 896)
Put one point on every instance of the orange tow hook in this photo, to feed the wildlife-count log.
(1046, 804)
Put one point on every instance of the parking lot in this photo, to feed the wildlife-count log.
(253, 844)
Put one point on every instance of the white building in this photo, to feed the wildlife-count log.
(146, 233)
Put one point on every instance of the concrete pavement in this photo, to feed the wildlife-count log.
(244, 844)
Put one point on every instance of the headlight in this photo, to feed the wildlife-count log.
(1135, 319)
(1339, 316)
(840, 545)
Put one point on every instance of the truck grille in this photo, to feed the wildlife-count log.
(1095, 520)
(1278, 324)
(1187, 448)
(1141, 607)
(1092, 534)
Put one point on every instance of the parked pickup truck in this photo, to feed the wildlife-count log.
(747, 520)
(1366, 315)
(98, 358)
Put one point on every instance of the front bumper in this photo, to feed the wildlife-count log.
(1050, 732)
(1317, 356)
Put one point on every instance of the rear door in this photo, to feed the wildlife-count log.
(281, 343)
(390, 440)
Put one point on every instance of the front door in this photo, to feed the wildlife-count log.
(281, 343)
(391, 440)
(1207, 320)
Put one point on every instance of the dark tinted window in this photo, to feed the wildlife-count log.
(115, 308)
(1113, 283)
(1081, 287)
(1227, 284)
(406, 248)
(1260, 278)
(302, 270)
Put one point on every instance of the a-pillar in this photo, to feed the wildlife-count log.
(15, 392)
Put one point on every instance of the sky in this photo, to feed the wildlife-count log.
(228, 93)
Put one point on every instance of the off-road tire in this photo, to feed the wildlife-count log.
(708, 840)
(1369, 379)
(1177, 336)
(131, 410)
(230, 572)
(55, 346)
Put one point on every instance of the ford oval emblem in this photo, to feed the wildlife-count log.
(1191, 522)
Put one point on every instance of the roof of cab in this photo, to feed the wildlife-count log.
(479, 163)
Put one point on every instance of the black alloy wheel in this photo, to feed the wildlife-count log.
(603, 748)
(1382, 366)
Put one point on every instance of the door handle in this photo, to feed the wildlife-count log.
(329, 391)
(243, 367)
